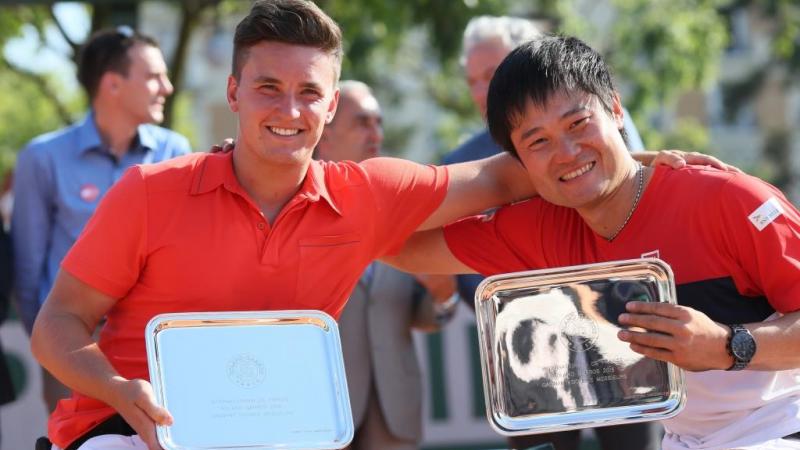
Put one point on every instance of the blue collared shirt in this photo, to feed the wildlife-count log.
(59, 179)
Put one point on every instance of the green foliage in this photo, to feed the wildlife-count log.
(664, 47)
(688, 134)
(374, 32)
(184, 122)
(28, 115)
(657, 49)
(372, 26)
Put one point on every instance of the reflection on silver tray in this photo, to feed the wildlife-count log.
(550, 354)
(255, 380)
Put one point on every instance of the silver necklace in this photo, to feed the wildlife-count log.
(640, 176)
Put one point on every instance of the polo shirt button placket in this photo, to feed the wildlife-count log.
(261, 226)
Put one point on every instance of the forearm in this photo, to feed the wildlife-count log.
(507, 179)
(63, 344)
(475, 186)
(777, 343)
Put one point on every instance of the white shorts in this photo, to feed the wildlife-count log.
(777, 444)
(112, 442)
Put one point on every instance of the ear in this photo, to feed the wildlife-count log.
(110, 83)
(233, 94)
(617, 112)
(332, 107)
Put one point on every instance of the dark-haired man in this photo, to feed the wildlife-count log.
(731, 239)
(61, 176)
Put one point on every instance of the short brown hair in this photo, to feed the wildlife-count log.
(107, 51)
(297, 22)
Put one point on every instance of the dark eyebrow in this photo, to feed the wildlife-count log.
(267, 79)
(572, 111)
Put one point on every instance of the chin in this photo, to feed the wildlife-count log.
(156, 117)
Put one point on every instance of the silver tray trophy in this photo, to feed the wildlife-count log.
(550, 354)
(254, 380)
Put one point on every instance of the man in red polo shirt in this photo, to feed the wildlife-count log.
(291, 233)
(732, 240)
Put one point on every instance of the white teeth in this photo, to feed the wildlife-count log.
(284, 131)
(578, 172)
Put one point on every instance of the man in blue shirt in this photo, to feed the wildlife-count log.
(61, 176)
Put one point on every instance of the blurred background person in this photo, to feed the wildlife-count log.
(61, 176)
(383, 374)
(486, 42)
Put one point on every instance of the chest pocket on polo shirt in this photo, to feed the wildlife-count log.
(328, 264)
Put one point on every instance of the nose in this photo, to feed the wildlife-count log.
(376, 133)
(567, 150)
(289, 106)
(166, 85)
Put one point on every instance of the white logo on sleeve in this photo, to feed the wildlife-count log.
(652, 254)
(766, 213)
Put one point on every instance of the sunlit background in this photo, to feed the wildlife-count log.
(717, 76)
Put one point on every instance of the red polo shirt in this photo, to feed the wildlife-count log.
(183, 236)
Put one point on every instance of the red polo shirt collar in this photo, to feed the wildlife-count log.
(217, 170)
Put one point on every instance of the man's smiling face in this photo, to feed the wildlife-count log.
(284, 96)
(572, 148)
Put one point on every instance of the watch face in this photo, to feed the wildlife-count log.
(743, 346)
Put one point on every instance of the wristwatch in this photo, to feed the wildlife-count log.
(444, 310)
(741, 346)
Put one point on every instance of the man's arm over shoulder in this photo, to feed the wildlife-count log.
(475, 186)
(31, 227)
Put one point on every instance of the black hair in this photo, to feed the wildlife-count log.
(538, 69)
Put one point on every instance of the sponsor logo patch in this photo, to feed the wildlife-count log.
(766, 213)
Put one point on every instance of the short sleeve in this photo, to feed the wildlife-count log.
(111, 251)
(485, 244)
(405, 194)
(762, 233)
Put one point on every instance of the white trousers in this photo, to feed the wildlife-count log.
(112, 442)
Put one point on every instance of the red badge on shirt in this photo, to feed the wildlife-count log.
(89, 193)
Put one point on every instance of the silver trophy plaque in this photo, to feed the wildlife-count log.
(550, 354)
(254, 380)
